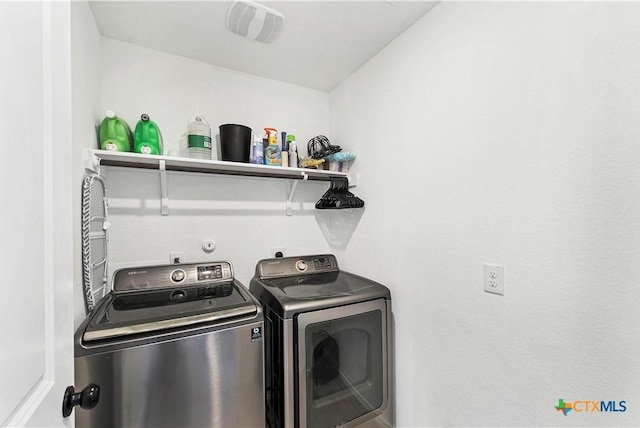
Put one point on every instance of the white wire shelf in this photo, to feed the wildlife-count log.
(135, 160)
(94, 159)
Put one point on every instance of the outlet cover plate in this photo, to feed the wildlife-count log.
(494, 278)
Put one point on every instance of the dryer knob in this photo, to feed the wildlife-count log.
(301, 265)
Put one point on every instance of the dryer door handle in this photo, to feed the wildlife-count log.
(87, 398)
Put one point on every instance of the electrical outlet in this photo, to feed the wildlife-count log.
(494, 278)
(278, 252)
(176, 257)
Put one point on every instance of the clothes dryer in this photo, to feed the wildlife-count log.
(328, 342)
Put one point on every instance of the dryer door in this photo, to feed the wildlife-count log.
(342, 364)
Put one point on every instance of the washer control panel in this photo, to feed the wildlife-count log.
(167, 276)
(293, 266)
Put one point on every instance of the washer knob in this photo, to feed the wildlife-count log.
(178, 275)
(301, 265)
(178, 295)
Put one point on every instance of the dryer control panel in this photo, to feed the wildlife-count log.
(171, 276)
(294, 266)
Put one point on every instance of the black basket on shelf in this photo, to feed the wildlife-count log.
(318, 147)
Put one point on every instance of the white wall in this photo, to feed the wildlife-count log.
(86, 115)
(506, 133)
(171, 89)
(245, 217)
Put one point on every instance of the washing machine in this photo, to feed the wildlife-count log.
(172, 346)
(328, 342)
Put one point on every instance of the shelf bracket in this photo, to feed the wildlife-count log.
(164, 210)
(354, 179)
(91, 161)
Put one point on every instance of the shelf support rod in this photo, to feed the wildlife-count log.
(294, 186)
(164, 210)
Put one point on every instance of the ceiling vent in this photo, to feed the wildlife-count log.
(254, 21)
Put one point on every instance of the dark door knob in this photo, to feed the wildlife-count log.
(87, 398)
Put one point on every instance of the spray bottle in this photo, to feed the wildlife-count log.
(272, 154)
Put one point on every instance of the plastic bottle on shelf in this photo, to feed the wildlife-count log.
(284, 152)
(272, 155)
(199, 139)
(258, 150)
(293, 151)
(115, 134)
(146, 137)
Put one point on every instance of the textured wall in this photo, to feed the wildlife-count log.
(505, 133)
(171, 89)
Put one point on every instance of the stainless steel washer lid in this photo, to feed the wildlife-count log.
(168, 297)
(299, 284)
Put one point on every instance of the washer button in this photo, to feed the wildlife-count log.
(178, 275)
(301, 265)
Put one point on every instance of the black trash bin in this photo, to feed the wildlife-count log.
(235, 142)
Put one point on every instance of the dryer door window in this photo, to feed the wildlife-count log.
(342, 365)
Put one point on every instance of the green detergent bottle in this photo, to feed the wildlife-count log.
(147, 138)
(115, 134)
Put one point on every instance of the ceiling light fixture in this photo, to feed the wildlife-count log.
(254, 21)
